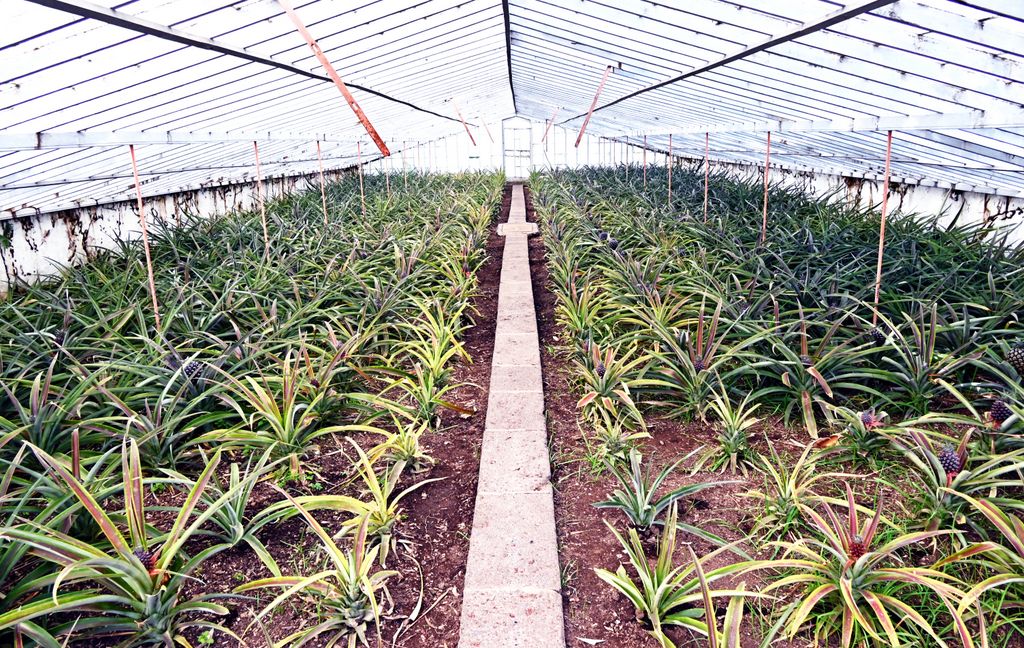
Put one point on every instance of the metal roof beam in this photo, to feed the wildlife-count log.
(64, 139)
(807, 28)
(133, 23)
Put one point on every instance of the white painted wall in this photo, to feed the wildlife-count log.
(37, 246)
(949, 204)
(34, 247)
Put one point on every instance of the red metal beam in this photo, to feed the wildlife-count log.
(145, 239)
(670, 165)
(323, 189)
(593, 104)
(263, 201)
(707, 170)
(881, 232)
(464, 125)
(548, 127)
(764, 212)
(331, 72)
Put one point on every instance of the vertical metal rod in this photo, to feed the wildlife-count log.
(764, 209)
(331, 72)
(405, 171)
(645, 161)
(881, 233)
(359, 164)
(669, 161)
(323, 185)
(707, 170)
(145, 239)
(263, 201)
(593, 105)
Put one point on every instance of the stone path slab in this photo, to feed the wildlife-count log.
(512, 596)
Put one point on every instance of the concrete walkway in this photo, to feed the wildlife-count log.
(512, 596)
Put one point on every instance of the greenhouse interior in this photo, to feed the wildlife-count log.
(518, 324)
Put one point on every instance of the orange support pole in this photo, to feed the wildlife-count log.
(645, 161)
(464, 125)
(550, 123)
(707, 170)
(488, 131)
(359, 165)
(331, 72)
(881, 233)
(262, 199)
(145, 239)
(323, 187)
(669, 162)
(764, 210)
(593, 104)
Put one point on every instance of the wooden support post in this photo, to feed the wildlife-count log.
(331, 72)
(764, 209)
(550, 123)
(323, 185)
(669, 162)
(262, 200)
(488, 131)
(464, 124)
(881, 232)
(145, 239)
(707, 170)
(359, 165)
(645, 161)
(593, 105)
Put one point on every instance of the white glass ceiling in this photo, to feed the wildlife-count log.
(193, 83)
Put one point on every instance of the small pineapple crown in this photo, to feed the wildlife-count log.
(1000, 411)
(192, 368)
(145, 556)
(877, 335)
(699, 364)
(857, 547)
(870, 419)
(950, 460)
